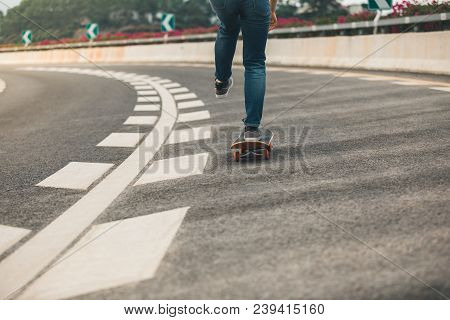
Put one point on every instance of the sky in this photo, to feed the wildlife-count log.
(10, 3)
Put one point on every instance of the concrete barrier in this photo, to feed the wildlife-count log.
(414, 52)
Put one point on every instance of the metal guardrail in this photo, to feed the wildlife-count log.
(299, 31)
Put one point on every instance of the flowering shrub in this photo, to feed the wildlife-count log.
(360, 16)
(415, 8)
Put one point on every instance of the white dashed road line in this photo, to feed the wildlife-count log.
(108, 261)
(141, 121)
(148, 99)
(174, 168)
(188, 135)
(185, 96)
(143, 87)
(28, 261)
(147, 107)
(122, 140)
(9, 236)
(171, 85)
(191, 104)
(147, 93)
(178, 90)
(76, 175)
(194, 116)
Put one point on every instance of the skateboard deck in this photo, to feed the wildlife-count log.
(262, 148)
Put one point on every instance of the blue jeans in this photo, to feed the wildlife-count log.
(253, 18)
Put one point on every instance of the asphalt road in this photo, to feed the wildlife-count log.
(354, 203)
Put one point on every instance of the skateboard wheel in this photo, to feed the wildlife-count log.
(236, 156)
(267, 154)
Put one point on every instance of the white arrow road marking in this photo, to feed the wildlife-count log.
(174, 168)
(141, 120)
(445, 89)
(26, 263)
(172, 85)
(76, 175)
(9, 236)
(194, 116)
(191, 104)
(122, 140)
(147, 107)
(147, 93)
(148, 99)
(188, 135)
(178, 90)
(185, 96)
(110, 255)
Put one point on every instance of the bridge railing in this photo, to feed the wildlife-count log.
(418, 23)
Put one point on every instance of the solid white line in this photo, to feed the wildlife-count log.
(190, 104)
(141, 120)
(174, 168)
(122, 140)
(9, 236)
(194, 116)
(23, 265)
(110, 255)
(188, 135)
(147, 93)
(147, 107)
(143, 87)
(445, 89)
(178, 90)
(76, 175)
(185, 96)
(148, 99)
(171, 85)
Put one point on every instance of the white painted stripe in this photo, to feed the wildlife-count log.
(179, 90)
(148, 99)
(147, 107)
(372, 79)
(139, 83)
(76, 175)
(147, 93)
(191, 104)
(23, 265)
(407, 83)
(163, 81)
(2, 85)
(142, 87)
(174, 168)
(110, 255)
(185, 96)
(194, 116)
(9, 236)
(194, 134)
(141, 120)
(445, 89)
(154, 79)
(122, 140)
(172, 85)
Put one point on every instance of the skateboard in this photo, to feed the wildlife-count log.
(262, 148)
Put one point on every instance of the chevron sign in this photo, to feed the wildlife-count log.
(380, 5)
(167, 22)
(92, 31)
(27, 37)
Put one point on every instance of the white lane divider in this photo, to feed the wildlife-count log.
(141, 121)
(178, 90)
(9, 236)
(2, 85)
(76, 175)
(174, 168)
(122, 140)
(185, 96)
(194, 116)
(110, 255)
(22, 266)
(188, 135)
(147, 107)
(191, 104)
(171, 85)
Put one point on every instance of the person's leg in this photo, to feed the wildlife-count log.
(227, 36)
(255, 19)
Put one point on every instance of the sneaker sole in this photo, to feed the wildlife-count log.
(223, 96)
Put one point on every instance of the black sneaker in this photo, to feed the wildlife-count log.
(252, 134)
(222, 88)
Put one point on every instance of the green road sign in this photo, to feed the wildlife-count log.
(92, 31)
(167, 22)
(27, 37)
(375, 5)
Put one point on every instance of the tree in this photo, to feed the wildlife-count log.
(322, 8)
